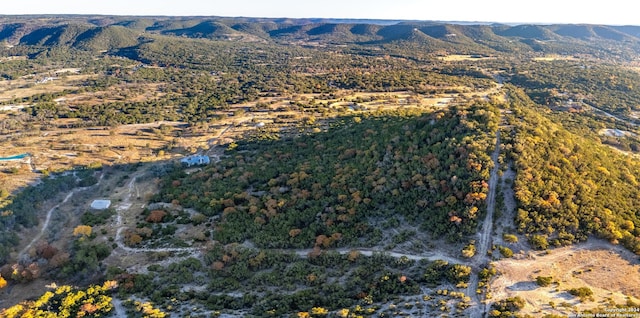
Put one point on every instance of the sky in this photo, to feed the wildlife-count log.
(613, 12)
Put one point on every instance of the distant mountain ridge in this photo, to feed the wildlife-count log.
(118, 32)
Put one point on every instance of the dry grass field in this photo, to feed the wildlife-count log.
(35, 84)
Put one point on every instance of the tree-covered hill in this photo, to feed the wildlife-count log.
(207, 30)
(54, 36)
(107, 38)
(326, 189)
(569, 186)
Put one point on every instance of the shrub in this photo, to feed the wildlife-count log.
(510, 304)
(469, 251)
(581, 292)
(544, 281)
(505, 251)
(156, 216)
(510, 238)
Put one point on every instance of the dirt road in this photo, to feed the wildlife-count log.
(432, 256)
(478, 309)
(45, 224)
(47, 220)
(125, 205)
(485, 236)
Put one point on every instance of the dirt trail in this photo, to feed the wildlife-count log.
(596, 109)
(369, 252)
(45, 224)
(47, 220)
(505, 223)
(481, 258)
(485, 237)
(118, 308)
(125, 205)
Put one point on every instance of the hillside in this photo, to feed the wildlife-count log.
(546, 156)
(387, 167)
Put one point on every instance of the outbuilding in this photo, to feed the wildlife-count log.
(100, 204)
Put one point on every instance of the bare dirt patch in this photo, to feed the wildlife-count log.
(615, 132)
(611, 272)
(465, 57)
(555, 57)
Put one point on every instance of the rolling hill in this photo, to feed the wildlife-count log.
(100, 33)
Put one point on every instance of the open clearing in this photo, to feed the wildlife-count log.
(615, 132)
(554, 57)
(26, 87)
(611, 272)
(465, 57)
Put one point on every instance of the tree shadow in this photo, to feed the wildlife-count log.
(523, 286)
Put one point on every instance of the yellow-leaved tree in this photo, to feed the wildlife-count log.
(66, 301)
(82, 230)
(3, 282)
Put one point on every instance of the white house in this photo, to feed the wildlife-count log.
(195, 160)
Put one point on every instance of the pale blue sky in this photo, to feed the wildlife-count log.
(542, 11)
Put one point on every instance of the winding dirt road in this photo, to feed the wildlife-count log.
(45, 224)
(47, 220)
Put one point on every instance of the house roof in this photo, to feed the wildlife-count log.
(195, 159)
(100, 204)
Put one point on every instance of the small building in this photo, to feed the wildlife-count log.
(195, 160)
(100, 204)
(46, 79)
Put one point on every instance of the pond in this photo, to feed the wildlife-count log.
(16, 157)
